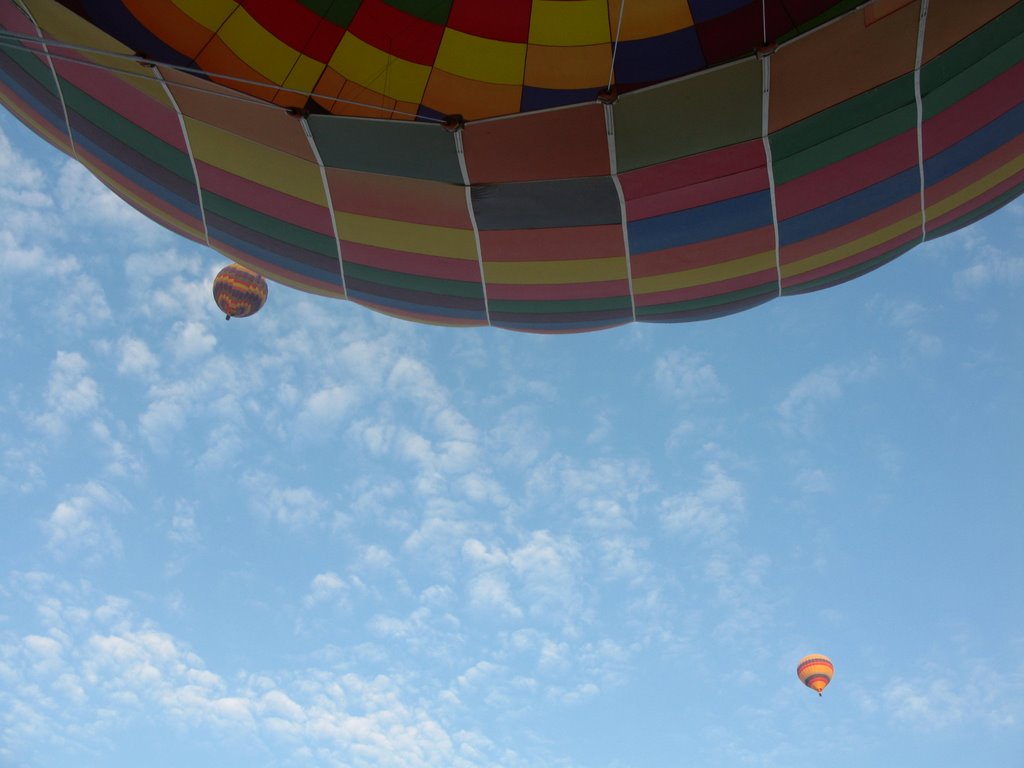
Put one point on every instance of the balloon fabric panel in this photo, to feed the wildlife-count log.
(391, 148)
(563, 144)
(689, 116)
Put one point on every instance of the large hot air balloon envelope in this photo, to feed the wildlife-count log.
(815, 671)
(536, 164)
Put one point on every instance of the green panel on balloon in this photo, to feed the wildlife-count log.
(719, 108)
(973, 62)
(416, 150)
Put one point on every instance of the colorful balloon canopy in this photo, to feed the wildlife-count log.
(536, 164)
(239, 292)
(815, 671)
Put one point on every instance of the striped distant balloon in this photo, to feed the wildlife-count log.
(815, 671)
(239, 292)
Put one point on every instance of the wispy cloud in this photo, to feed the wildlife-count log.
(135, 358)
(70, 393)
(100, 670)
(84, 199)
(800, 407)
(687, 377)
(709, 511)
(295, 507)
(327, 587)
(990, 267)
(81, 525)
(976, 692)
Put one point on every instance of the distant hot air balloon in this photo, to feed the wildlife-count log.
(239, 291)
(815, 671)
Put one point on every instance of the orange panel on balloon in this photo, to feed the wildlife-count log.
(450, 94)
(839, 61)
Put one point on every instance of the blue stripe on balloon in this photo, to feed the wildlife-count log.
(850, 208)
(705, 222)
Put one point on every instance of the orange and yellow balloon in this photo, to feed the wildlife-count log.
(238, 291)
(815, 671)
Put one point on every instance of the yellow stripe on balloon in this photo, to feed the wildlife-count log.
(210, 13)
(852, 248)
(650, 18)
(305, 74)
(432, 240)
(581, 22)
(688, 278)
(256, 162)
(257, 47)
(980, 187)
(379, 71)
(479, 58)
(555, 272)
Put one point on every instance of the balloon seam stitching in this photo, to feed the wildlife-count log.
(56, 78)
(188, 148)
(464, 170)
(613, 167)
(329, 200)
(766, 77)
(919, 57)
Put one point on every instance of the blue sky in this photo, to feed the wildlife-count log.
(320, 536)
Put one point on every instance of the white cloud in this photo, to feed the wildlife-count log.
(20, 470)
(70, 393)
(176, 286)
(482, 556)
(974, 693)
(411, 378)
(183, 525)
(215, 388)
(924, 344)
(294, 507)
(161, 418)
(20, 261)
(990, 268)
(814, 388)
(375, 557)
(376, 436)
(687, 377)
(622, 558)
(600, 488)
(813, 480)
(490, 591)
(324, 410)
(190, 340)
(78, 525)
(18, 171)
(327, 587)
(799, 409)
(83, 304)
(908, 317)
(84, 199)
(709, 511)
(519, 439)
(575, 695)
(548, 567)
(932, 705)
(121, 462)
